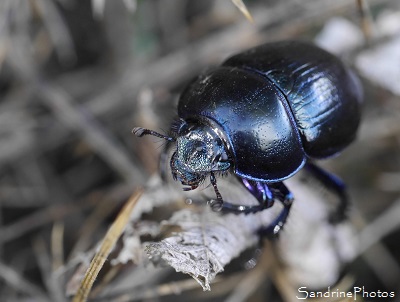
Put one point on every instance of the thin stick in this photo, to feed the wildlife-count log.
(366, 19)
(57, 247)
(107, 245)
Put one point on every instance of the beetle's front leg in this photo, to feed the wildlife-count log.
(259, 190)
(218, 204)
(265, 195)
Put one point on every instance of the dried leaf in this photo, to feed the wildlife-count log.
(206, 244)
(207, 241)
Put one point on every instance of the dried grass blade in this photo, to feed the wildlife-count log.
(107, 245)
(243, 8)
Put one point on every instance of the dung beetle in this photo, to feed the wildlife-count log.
(264, 114)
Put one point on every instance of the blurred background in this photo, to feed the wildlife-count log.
(77, 76)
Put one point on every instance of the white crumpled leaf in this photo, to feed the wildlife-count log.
(312, 250)
(205, 245)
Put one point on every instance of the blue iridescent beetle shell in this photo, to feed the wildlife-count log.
(277, 105)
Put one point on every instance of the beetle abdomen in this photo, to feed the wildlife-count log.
(323, 95)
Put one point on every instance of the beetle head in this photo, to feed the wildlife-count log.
(199, 151)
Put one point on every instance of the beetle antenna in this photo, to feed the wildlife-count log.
(139, 132)
(216, 205)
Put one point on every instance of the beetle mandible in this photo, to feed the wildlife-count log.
(264, 114)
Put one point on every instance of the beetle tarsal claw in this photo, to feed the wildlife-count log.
(216, 205)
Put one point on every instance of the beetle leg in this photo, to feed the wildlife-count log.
(335, 184)
(216, 205)
(265, 194)
(259, 190)
(282, 193)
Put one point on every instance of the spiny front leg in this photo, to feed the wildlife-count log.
(216, 205)
(259, 190)
(265, 195)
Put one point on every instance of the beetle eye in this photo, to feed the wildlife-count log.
(199, 146)
(224, 156)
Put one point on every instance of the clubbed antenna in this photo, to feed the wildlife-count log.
(139, 132)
